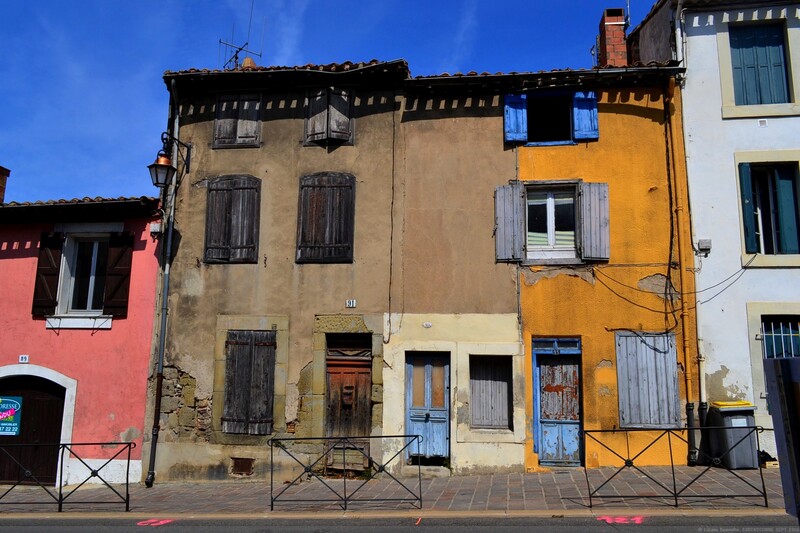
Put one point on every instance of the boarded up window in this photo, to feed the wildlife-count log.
(326, 215)
(249, 382)
(232, 218)
(328, 116)
(238, 120)
(490, 391)
(647, 380)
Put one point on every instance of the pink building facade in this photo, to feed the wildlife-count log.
(77, 316)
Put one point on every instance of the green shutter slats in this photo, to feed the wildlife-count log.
(515, 118)
(595, 233)
(118, 274)
(326, 215)
(509, 222)
(788, 212)
(758, 60)
(48, 268)
(751, 245)
(584, 116)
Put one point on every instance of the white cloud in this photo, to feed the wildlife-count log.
(284, 32)
(463, 39)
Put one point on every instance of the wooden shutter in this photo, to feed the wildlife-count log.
(248, 124)
(244, 219)
(490, 391)
(339, 122)
(238, 365)
(584, 116)
(317, 119)
(751, 245)
(509, 222)
(515, 123)
(326, 216)
(218, 215)
(758, 59)
(48, 268)
(262, 380)
(118, 274)
(595, 234)
(788, 212)
(227, 118)
(647, 380)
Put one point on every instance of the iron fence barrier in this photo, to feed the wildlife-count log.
(58, 492)
(684, 485)
(354, 452)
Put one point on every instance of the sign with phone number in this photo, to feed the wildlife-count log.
(10, 415)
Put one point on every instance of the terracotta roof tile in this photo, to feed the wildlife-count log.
(80, 201)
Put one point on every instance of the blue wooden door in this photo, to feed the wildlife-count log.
(557, 405)
(428, 402)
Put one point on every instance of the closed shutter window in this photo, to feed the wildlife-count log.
(647, 380)
(326, 213)
(328, 116)
(249, 382)
(238, 120)
(758, 58)
(232, 219)
(490, 391)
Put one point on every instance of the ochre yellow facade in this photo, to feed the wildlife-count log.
(640, 156)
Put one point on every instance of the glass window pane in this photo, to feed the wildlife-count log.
(82, 275)
(537, 219)
(564, 218)
(98, 291)
(437, 383)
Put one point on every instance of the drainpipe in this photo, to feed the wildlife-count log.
(680, 37)
(162, 333)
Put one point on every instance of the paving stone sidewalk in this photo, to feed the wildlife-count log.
(558, 490)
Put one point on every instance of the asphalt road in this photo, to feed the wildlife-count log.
(598, 524)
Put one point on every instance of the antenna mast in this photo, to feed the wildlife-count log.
(233, 60)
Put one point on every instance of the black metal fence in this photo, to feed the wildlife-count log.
(58, 492)
(731, 449)
(347, 457)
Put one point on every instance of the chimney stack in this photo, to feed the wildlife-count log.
(613, 50)
(4, 174)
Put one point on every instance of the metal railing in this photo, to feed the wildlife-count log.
(354, 454)
(682, 486)
(58, 492)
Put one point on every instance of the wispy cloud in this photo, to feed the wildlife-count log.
(463, 38)
(284, 33)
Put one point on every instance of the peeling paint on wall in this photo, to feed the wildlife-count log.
(604, 363)
(534, 276)
(719, 391)
(660, 286)
(604, 390)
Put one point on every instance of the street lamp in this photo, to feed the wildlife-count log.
(162, 170)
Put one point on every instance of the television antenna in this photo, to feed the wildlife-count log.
(233, 58)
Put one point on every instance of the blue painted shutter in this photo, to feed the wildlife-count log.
(595, 233)
(786, 190)
(748, 214)
(758, 58)
(509, 222)
(584, 116)
(516, 118)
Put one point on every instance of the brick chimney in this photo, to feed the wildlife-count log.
(613, 50)
(4, 174)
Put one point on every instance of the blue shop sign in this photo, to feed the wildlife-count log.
(10, 414)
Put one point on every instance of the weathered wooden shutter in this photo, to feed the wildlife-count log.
(262, 380)
(595, 234)
(227, 118)
(244, 219)
(339, 122)
(118, 274)
(751, 245)
(48, 268)
(515, 123)
(238, 365)
(326, 214)
(509, 222)
(248, 125)
(317, 119)
(647, 380)
(758, 59)
(490, 386)
(218, 220)
(584, 116)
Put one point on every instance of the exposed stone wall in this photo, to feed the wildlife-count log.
(184, 417)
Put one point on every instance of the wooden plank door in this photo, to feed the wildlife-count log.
(559, 413)
(40, 424)
(428, 402)
(349, 389)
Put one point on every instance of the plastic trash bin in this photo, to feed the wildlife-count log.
(724, 418)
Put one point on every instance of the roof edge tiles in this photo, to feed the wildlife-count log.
(97, 209)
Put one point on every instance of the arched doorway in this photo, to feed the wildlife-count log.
(40, 426)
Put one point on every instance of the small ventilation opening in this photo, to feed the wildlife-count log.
(242, 466)
(615, 12)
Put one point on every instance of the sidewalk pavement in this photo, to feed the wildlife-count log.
(558, 492)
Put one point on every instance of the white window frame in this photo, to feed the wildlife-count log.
(553, 250)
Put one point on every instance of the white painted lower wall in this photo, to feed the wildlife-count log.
(113, 472)
(461, 335)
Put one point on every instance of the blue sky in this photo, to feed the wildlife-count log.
(83, 103)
